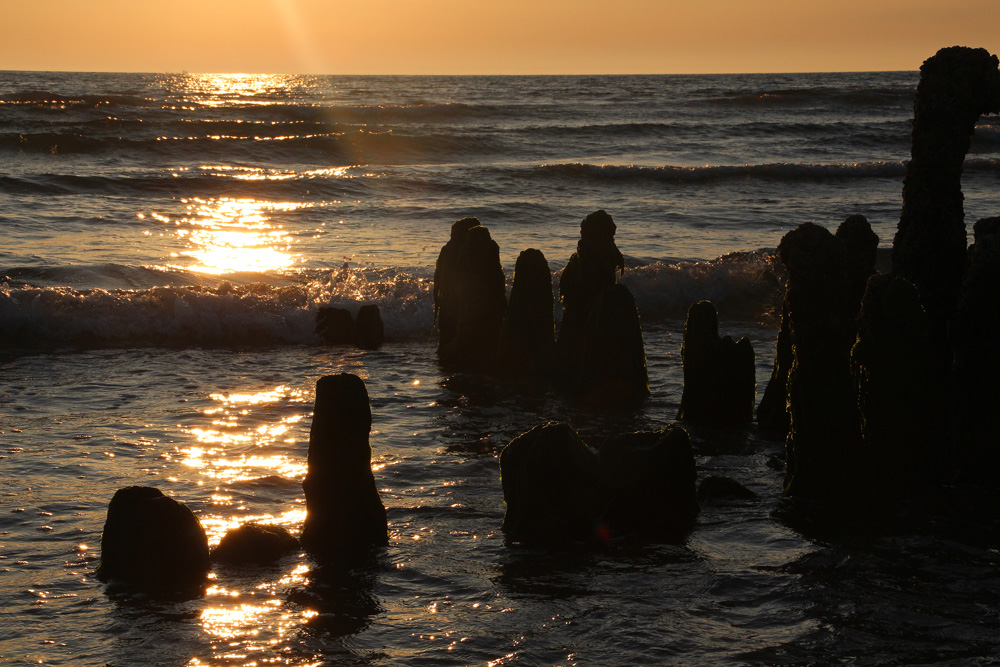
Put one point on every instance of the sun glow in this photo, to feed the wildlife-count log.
(227, 235)
(224, 89)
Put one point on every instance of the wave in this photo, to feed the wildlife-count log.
(886, 96)
(779, 171)
(47, 98)
(348, 147)
(204, 183)
(269, 109)
(744, 286)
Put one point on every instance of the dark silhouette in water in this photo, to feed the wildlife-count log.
(152, 542)
(599, 351)
(649, 482)
(719, 373)
(550, 484)
(254, 544)
(369, 332)
(446, 275)
(557, 491)
(890, 365)
(860, 245)
(527, 343)
(470, 297)
(611, 368)
(977, 360)
(957, 86)
(345, 519)
(772, 413)
(337, 327)
(594, 266)
(823, 447)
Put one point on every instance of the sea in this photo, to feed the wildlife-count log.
(167, 239)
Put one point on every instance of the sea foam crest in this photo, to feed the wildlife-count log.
(745, 286)
(226, 314)
(782, 171)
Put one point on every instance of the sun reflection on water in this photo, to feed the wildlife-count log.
(226, 235)
(249, 436)
(222, 89)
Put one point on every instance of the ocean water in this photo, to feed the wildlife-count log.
(166, 240)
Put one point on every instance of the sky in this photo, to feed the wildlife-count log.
(488, 36)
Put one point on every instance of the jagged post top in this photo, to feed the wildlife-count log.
(958, 83)
(598, 226)
(459, 227)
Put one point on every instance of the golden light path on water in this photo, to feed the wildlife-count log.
(226, 235)
(247, 436)
(222, 89)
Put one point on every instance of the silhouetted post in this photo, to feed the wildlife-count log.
(335, 325)
(527, 343)
(823, 450)
(254, 544)
(550, 485)
(890, 364)
(649, 480)
(612, 366)
(957, 86)
(719, 373)
(977, 361)
(471, 297)
(861, 246)
(345, 518)
(447, 274)
(594, 266)
(369, 332)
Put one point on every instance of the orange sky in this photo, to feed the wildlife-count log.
(488, 36)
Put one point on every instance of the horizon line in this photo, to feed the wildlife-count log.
(445, 74)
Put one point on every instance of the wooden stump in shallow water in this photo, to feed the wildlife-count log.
(890, 366)
(345, 519)
(335, 325)
(470, 297)
(527, 342)
(550, 485)
(957, 86)
(447, 273)
(649, 483)
(557, 491)
(860, 246)
(369, 332)
(152, 542)
(612, 365)
(823, 447)
(594, 267)
(977, 361)
(719, 373)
